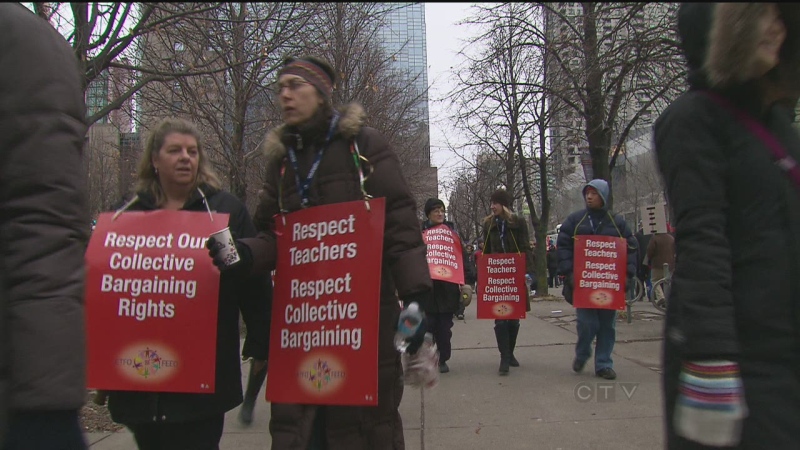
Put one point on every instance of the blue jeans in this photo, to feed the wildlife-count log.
(602, 324)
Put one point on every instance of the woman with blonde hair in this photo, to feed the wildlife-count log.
(175, 174)
(505, 232)
(728, 154)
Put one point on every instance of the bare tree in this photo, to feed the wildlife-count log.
(614, 65)
(348, 36)
(105, 36)
(466, 205)
(231, 102)
(101, 158)
(501, 105)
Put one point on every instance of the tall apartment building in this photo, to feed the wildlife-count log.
(104, 89)
(112, 147)
(403, 35)
(572, 163)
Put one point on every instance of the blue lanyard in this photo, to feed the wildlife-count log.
(306, 185)
(501, 225)
(594, 228)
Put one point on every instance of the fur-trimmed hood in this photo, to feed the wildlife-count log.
(720, 40)
(350, 122)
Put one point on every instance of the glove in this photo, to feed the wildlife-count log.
(245, 256)
(710, 407)
(567, 288)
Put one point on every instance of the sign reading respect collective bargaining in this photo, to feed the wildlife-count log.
(326, 305)
(444, 254)
(502, 292)
(599, 272)
(152, 294)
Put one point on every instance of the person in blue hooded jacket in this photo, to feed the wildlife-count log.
(598, 220)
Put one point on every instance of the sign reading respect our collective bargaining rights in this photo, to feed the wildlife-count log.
(152, 294)
(599, 272)
(326, 305)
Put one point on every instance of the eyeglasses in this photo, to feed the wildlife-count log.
(293, 85)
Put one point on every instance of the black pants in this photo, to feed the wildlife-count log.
(440, 325)
(552, 278)
(203, 434)
(44, 430)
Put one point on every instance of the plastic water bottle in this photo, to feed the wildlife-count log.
(407, 326)
(422, 368)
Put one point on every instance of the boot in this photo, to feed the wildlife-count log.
(255, 380)
(501, 333)
(513, 331)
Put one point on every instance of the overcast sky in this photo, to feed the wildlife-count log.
(444, 39)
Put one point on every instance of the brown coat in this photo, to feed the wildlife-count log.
(661, 250)
(404, 272)
(44, 219)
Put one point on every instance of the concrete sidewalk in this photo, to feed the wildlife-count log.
(540, 405)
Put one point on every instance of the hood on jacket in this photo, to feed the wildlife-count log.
(720, 40)
(602, 188)
(351, 120)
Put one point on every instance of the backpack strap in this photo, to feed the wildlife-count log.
(780, 156)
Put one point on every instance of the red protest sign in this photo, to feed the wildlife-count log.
(599, 272)
(326, 305)
(502, 293)
(445, 255)
(151, 302)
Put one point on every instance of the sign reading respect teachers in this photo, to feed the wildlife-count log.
(599, 272)
(326, 305)
(444, 254)
(502, 293)
(152, 294)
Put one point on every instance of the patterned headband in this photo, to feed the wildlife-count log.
(311, 73)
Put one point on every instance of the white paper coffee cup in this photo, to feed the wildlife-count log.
(227, 247)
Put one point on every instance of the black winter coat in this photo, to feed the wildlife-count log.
(446, 296)
(578, 223)
(404, 271)
(44, 218)
(470, 268)
(515, 239)
(552, 261)
(238, 292)
(735, 290)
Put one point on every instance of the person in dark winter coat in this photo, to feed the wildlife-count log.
(446, 296)
(596, 219)
(642, 264)
(304, 90)
(733, 316)
(44, 229)
(660, 251)
(552, 267)
(470, 277)
(174, 173)
(505, 232)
